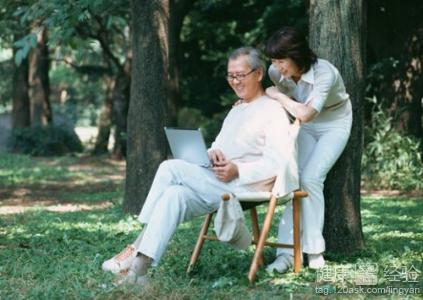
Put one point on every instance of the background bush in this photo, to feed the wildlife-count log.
(390, 160)
(44, 141)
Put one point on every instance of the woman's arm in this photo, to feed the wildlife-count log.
(303, 112)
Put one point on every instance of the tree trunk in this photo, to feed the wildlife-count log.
(39, 85)
(178, 11)
(121, 96)
(20, 106)
(337, 30)
(407, 87)
(105, 118)
(146, 147)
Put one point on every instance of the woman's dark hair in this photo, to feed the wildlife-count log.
(288, 42)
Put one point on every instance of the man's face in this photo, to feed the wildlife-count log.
(243, 79)
(287, 67)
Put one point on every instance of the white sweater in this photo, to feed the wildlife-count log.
(259, 139)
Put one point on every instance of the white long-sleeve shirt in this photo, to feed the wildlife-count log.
(258, 138)
(321, 86)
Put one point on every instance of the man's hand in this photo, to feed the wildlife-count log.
(216, 156)
(273, 92)
(226, 171)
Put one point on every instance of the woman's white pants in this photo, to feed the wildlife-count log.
(319, 146)
(180, 192)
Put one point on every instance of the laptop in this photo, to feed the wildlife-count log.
(189, 145)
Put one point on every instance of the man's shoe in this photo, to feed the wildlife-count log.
(316, 261)
(281, 264)
(120, 263)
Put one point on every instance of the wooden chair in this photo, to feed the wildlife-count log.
(250, 201)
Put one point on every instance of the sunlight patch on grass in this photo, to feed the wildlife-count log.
(22, 169)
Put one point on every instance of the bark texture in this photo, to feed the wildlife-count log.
(337, 29)
(146, 145)
(178, 10)
(121, 96)
(39, 85)
(20, 104)
(104, 122)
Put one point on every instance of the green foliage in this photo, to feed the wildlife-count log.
(84, 94)
(379, 74)
(44, 141)
(66, 19)
(190, 118)
(390, 160)
(211, 30)
(193, 118)
(24, 45)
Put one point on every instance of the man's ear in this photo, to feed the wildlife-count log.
(261, 74)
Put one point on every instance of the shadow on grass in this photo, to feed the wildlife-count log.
(25, 170)
(43, 251)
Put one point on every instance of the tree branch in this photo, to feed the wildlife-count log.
(103, 39)
(85, 69)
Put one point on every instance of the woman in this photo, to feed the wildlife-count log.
(312, 90)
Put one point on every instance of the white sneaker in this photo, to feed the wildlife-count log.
(281, 264)
(316, 261)
(120, 263)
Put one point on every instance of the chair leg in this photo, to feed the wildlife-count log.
(262, 239)
(297, 239)
(200, 242)
(256, 230)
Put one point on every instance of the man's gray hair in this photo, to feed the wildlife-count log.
(253, 57)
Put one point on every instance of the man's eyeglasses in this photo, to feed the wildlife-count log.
(239, 77)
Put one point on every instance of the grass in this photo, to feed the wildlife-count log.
(58, 255)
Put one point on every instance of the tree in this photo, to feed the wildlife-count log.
(146, 144)
(20, 97)
(178, 11)
(111, 30)
(69, 23)
(39, 84)
(104, 122)
(337, 33)
(121, 94)
(30, 105)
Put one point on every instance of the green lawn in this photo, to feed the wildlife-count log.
(57, 255)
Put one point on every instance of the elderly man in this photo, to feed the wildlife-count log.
(247, 155)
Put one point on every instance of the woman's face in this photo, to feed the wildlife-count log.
(287, 67)
(245, 81)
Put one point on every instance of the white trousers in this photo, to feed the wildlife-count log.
(180, 192)
(319, 146)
